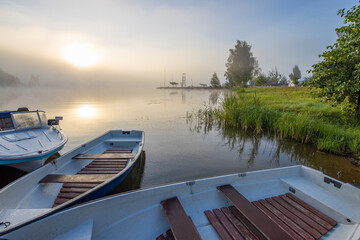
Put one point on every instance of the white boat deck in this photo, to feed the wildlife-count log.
(139, 214)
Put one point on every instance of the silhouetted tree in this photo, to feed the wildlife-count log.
(295, 75)
(241, 65)
(7, 80)
(215, 82)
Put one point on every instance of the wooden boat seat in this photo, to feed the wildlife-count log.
(112, 156)
(295, 218)
(181, 225)
(88, 178)
(256, 217)
(100, 169)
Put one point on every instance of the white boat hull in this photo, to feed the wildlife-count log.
(139, 214)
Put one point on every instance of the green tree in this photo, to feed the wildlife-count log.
(337, 76)
(295, 75)
(274, 77)
(241, 65)
(261, 80)
(215, 82)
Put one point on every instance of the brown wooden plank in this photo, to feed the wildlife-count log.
(313, 216)
(302, 216)
(239, 226)
(252, 229)
(80, 185)
(91, 165)
(102, 169)
(328, 219)
(291, 232)
(118, 150)
(227, 225)
(294, 218)
(117, 160)
(161, 237)
(110, 161)
(69, 195)
(106, 156)
(74, 190)
(59, 201)
(214, 221)
(97, 172)
(57, 178)
(169, 235)
(179, 222)
(286, 220)
(253, 214)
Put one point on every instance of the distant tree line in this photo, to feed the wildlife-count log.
(9, 80)
(242, 70)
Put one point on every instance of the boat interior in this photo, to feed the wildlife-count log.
(287, 203)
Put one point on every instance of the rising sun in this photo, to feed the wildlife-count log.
(80, 54)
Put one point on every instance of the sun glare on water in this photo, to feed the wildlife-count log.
(79, 54)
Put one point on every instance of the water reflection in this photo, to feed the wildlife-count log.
(259, 151)
(133, 179)
(214, 96)
(173, 153)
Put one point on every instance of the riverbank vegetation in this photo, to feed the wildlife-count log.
(290, 113)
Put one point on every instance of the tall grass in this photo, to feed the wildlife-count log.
(306, 121)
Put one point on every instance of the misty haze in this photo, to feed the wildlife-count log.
(217, 88)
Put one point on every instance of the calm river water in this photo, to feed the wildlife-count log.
(176, 149)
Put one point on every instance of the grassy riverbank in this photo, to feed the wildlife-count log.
(289, 113)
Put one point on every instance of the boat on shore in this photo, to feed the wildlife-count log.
(294, 202)
(88, 172)
(27, 136)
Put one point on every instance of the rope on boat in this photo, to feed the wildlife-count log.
(6, 224)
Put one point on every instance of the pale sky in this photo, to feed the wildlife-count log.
(134, 42)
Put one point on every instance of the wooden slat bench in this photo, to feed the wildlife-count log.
(257, 218)
(89, 178)
(295, 218)
(106, 156)
(103, 167)
(181, 225)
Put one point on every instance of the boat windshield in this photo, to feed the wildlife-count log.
(26, 120)
(43, 118)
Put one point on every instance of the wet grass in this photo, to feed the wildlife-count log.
(288, 113)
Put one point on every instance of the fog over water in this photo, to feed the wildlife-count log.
(177, 148)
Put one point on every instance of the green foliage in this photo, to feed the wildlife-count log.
(295, 75)
(337, 77)
(273, 78)
(261, 80)
(289, 113)
(215, 82)
(241, 65)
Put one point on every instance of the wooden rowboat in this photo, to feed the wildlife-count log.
(88, 172)
(286, 203)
